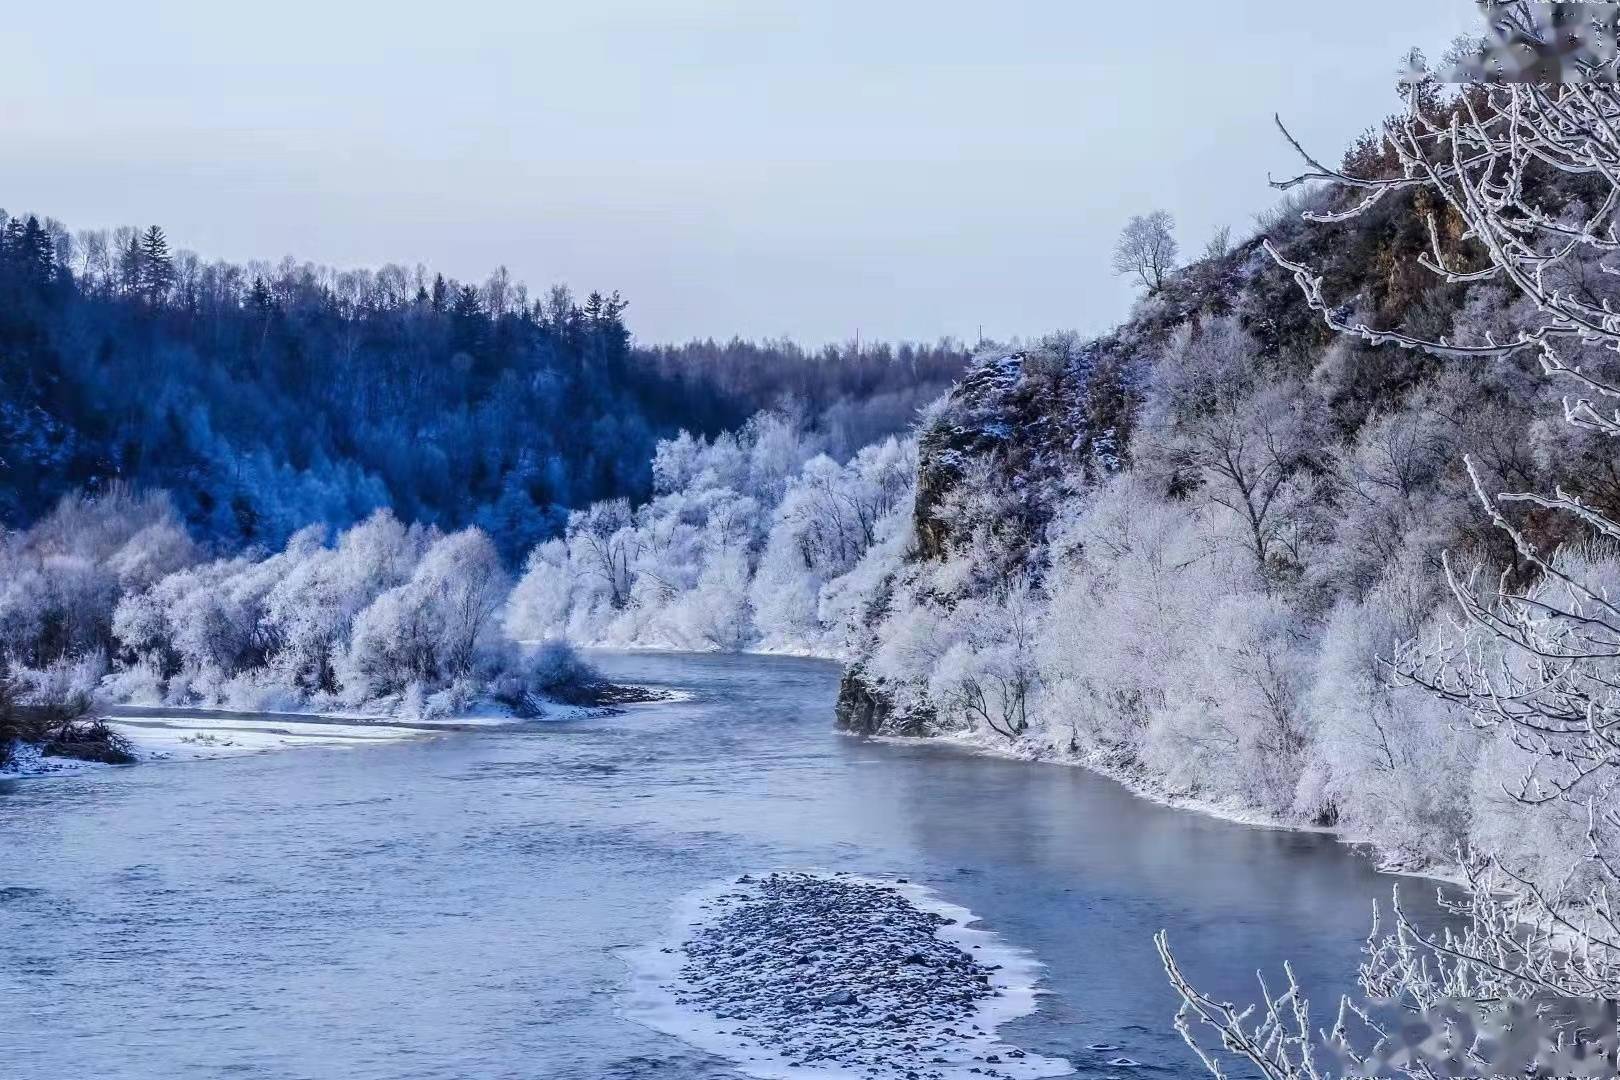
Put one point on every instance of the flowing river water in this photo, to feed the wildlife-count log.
(458, 906)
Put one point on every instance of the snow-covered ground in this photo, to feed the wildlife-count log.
(162, 734)
(835, 976)
(25, 759)
(190, 737)
(194, 736)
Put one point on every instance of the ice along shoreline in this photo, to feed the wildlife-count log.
(158, 733)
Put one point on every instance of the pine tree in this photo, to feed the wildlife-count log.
(11, 246)
(130, 267)
(38, 253)
(156, 265)
(467, 320)
(604, 315)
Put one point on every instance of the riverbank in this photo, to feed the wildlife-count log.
(55, 738)
(1137, 781)
(796, 651)
(157, 733)
(1146, 786)
(199, 735)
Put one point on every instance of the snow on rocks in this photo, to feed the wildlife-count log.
(25, 759)
(830, 975)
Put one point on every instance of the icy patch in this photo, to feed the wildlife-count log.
(199, 737)
(830, 975)
(198, 734)
(27, 760)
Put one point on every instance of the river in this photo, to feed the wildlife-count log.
(455, 906)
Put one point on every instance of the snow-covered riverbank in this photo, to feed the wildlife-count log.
(157, 733)
(831, 975)
(194, 735)
(1138, 781)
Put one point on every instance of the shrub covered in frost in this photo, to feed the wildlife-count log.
(746, 545)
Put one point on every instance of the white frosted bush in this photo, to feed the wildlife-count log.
(744, 537)
(64, 689)
(540, 603)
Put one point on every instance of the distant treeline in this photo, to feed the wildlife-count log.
(271, 395)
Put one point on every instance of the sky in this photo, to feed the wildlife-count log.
(904, 169)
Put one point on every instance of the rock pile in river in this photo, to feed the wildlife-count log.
(828, 970)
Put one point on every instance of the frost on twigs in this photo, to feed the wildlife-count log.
(795, 974)
(1524, 180)
(1458, 1035)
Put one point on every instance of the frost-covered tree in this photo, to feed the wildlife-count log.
(1232, 436)
(386, 616)
(608, 542)
(988, 675)
(61, 579)
(431, 629)
(311, 611)
(747, 534)
(1146, 249)
(828, 519)
(544, 595)
(1522, 183)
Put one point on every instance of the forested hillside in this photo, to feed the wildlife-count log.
(1198, 573)
(269, 396)
(1257, 555)
(1196, 552)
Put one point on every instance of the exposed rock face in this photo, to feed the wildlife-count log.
(859, 708)
(1045, 422)
(1029, 430)
(867, 709)
(973, 424)
(1029, 425)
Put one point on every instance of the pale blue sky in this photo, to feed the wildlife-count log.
(909, 168)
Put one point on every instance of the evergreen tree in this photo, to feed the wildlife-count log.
(12, 246)
(38, 254)
(467, 320)
(130, 267)
(156, 265)
(604, 317)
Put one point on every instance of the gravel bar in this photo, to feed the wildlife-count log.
(807, 974)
